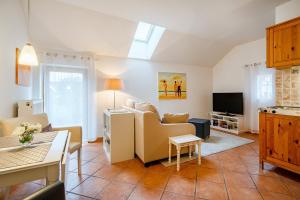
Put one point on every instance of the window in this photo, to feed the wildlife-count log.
(143, 32)
(265, 86)
(145, 40)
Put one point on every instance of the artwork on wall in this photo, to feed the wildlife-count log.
(171, 86)
(23, 72)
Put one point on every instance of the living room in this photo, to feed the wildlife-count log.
(122, 91)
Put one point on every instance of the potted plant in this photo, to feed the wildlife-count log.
(26, 131)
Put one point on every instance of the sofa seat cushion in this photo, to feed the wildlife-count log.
(147, 107)
(175, 118)
(74, 146)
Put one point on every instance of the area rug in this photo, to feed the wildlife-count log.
(217, 142)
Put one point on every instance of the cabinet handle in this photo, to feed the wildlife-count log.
(289, 160)
(275, 46)
(293, 48)
(278, 125)
(290, 123)
(297, 141)
(270, 151)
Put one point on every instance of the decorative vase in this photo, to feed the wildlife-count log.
(26, 139)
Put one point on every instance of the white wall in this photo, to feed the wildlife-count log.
(287, 11)
(140, 80)
(229, 75)
(13, 33)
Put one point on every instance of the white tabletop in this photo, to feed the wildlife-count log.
(54, 155)
(184, 139)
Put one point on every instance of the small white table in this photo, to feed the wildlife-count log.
(183, 141)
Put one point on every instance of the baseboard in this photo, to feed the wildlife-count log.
(99, 139)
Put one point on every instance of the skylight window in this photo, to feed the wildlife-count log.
(143, 32)
(145, 40)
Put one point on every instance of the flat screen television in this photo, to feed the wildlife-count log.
(229, 103)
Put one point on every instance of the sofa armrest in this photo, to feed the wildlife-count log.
(176, 129)
(76, 133)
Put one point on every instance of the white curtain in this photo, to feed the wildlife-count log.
(78, 64)
(262, 92)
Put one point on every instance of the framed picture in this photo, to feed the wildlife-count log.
(23, 72)
(171, 86)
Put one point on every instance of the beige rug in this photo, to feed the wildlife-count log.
(217, 142)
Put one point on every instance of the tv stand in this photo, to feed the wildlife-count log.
(227, 122)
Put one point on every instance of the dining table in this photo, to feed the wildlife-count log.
(46, 158)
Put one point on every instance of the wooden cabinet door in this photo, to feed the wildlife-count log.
(296, 44)
(294, 143)
(278, 138)
(283, 43)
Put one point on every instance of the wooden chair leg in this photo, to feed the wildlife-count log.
(79, 160)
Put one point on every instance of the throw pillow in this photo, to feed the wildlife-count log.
(147, 107)
(47, 128)
(175, 118)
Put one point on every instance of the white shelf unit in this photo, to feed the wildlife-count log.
(118, 137)
(232, 124)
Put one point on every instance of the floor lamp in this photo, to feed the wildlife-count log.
(114, 84)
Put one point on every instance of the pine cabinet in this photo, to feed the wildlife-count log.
(283, 44)
(280, 140)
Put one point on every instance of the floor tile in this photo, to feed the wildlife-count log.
(236, 179)
(186, 171)
(209, 174)
(237, 193)
(132, 176)
(91, 187)
(181, 185)
(293, 187)
(211, 190)
(174, 196)
(73, 165)
(73, 180)
(144, 193)
(71, 196)
(269, 184)
(116, 191)
(154, 180)
(108, 171)
(275, 196)
(211, 161)
(90, 168)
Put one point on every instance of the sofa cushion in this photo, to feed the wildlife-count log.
(147, 107)
(175, 118)
(47, 128)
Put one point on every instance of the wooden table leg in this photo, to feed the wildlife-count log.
(52, 174)
(178, 157)
(199, 153)
(190, 151)
(170, 151)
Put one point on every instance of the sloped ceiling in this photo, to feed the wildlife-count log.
(199, 32)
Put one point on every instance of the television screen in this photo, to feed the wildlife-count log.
(228, 103)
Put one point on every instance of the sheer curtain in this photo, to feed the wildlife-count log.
(76, 72)
(262, 91)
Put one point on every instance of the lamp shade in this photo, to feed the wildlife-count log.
(113, 84)
(28, 56)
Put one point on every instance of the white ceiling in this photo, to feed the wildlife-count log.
(199, 32)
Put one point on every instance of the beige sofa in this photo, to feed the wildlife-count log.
(152, 136)
(7, 126)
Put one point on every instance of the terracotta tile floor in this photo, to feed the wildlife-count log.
(232, 174)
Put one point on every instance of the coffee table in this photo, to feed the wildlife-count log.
(183, 141)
